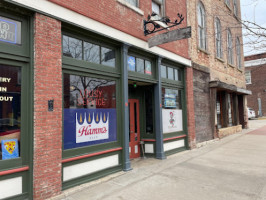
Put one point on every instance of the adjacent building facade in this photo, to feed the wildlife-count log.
(81, 93)
(218, 74)
(255, 66)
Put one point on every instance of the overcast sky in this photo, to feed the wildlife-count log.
(254, 11)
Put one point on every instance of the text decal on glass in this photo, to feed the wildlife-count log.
(4, 89)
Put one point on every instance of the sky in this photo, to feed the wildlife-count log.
(254, 11)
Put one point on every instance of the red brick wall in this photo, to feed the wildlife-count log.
(47, 125)
(120, 17)
(190, 108)
(258, 87)
(255, 57)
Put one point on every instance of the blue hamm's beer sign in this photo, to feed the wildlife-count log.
(92, 127)
(84, 127)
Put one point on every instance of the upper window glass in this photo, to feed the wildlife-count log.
(227, 2)
(139, 65)
(230, 47)
(170, 73)
(235, 8)
(248, 77)
(238, 53)
(133, 2)
(202, 27)
(158, 8)
(10, 31)
(218, 38)
(81, 50)
(10, 112)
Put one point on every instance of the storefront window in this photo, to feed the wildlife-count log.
(89, 111)
(72, 47)
(139, 65)
(172, 110)
(93, 53)
(170, 73)
(163, 71)
(10, 112)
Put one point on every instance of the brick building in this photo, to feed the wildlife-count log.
(255, 67)
(81, 93)
(218, 73)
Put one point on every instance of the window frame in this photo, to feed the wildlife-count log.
(129, 1)
(202, 30)
(228, 2)
(230, 56)
(218, 38)
(238, 53)
(248, 74)
(235, 8)
(161, 4)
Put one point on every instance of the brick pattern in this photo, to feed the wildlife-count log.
(219, 68)
(47, 125)
(258, 88)
(201, 92)
(190, 108)
(118, 16)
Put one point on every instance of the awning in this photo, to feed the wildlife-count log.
(228, 87)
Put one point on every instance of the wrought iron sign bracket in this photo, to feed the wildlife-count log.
(155, 27)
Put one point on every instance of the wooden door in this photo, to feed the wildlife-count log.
(134, 130)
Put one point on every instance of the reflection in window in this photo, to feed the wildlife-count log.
(172, 113)
(86, 92)
(89, 111)
(171, 98)
(10, 112)
(82, 50)
(230, 47)
(163, 71)
(140, 65)
(91, 52)
(202, 27)
(108, 57)
(149, 110)
(72, 47)
(133, 2)
(170, 73)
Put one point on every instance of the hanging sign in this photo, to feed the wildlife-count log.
(84, 127)
(170, 36)
(172, 120)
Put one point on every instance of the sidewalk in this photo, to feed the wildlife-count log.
(228, 169)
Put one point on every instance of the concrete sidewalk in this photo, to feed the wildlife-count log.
(228, 169)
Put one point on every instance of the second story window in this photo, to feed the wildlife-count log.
(202, 27)
(218, 38)
(248, 77)
(238, 53)
(235, 7)
(158, 8)
(133, 2)
(227, 2)
(229, 47)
